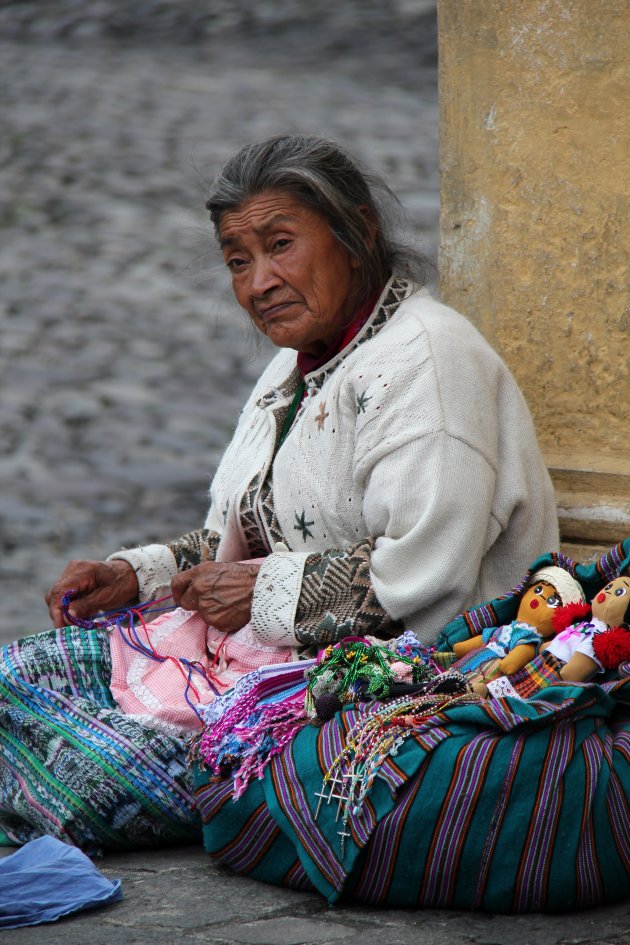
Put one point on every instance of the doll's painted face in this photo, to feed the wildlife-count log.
(611, 604)
(537, 607)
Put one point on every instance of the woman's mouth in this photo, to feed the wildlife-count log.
(269, 312)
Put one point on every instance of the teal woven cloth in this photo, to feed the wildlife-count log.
(503, 806)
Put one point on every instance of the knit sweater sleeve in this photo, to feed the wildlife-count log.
(156, 565)
(337, 598)
(194, 548)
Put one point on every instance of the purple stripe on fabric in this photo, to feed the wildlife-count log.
(622, 743)
(616, 687)
(293, 801)
(392, 775)
(331, 741)
(561, 560)
(609, 564)
(363, 824)
(430, 738)
(616, 798)
(500, 810)
(619, 817)
(249, 846)
(590, 887)
(455, 819)
(69, 663)
(212, 797)
(378, 871)
(481, 617)
(501, 714)
(530, 887)
(297, 878)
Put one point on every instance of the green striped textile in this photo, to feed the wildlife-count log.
(71, 764)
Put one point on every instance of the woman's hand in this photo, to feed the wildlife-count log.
(221, 592)
(98, 585)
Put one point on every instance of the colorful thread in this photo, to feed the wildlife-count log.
(131, 636)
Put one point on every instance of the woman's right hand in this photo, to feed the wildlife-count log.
(97, 585)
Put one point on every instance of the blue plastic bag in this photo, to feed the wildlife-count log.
(46, 879)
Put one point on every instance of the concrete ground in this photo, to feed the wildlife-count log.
(123, 365)
(180, 896)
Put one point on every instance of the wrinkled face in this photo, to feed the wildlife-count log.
(537, 607)
(288, 271)
(611, 603)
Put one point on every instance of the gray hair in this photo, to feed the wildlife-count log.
(323, 176)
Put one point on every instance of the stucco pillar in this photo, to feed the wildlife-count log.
(535, 226)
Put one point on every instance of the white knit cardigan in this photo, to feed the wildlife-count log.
(415, 441)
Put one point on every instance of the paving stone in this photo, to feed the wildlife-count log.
(286, 931)
(124, 362)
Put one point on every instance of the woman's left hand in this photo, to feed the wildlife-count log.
(221, 592)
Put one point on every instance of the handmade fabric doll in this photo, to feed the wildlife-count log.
(574, 645)
(501, 651)
(588, 640)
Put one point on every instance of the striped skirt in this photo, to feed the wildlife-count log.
(75, 767)
(499, 805)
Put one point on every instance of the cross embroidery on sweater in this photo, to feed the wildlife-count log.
(320, 419)
(302, 525)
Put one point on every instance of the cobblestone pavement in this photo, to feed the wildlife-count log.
(124, 364)
(180, 897)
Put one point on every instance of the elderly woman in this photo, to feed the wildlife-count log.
(384, 478)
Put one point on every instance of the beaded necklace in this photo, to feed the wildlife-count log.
(378, 734)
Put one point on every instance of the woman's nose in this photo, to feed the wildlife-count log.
(264, 276)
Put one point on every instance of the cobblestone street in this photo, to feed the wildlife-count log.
(124, 364)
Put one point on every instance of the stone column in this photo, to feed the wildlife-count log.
(535, 226)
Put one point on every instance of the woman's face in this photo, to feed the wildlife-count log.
(288, 271)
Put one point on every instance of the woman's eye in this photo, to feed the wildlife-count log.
(235, 264)
(553, 601)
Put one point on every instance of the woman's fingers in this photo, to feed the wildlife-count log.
(95, 586)
(181, 589)
(77, 577)
(221, 592)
